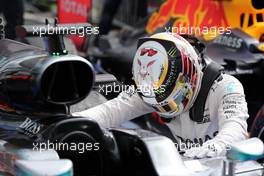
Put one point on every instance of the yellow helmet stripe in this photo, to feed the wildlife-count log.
(163, 75)
(161, 109)
(173, 105)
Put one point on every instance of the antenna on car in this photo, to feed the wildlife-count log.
(53, 34)
(2, 31)
(55, 43)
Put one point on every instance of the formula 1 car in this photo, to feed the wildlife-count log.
(33, 87)
(38, 135)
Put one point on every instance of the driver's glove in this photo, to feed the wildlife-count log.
(208, 149)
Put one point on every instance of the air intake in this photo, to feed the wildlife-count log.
(66, 82)
(32, 82)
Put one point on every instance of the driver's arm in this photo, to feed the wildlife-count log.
(118, 110)
(232, 113)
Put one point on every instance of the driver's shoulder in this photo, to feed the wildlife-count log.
(226, 84)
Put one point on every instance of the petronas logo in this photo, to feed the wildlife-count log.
(172, 51)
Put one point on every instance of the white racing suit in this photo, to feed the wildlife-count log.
(224, 121)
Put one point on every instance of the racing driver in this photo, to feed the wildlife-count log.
(168, 73)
